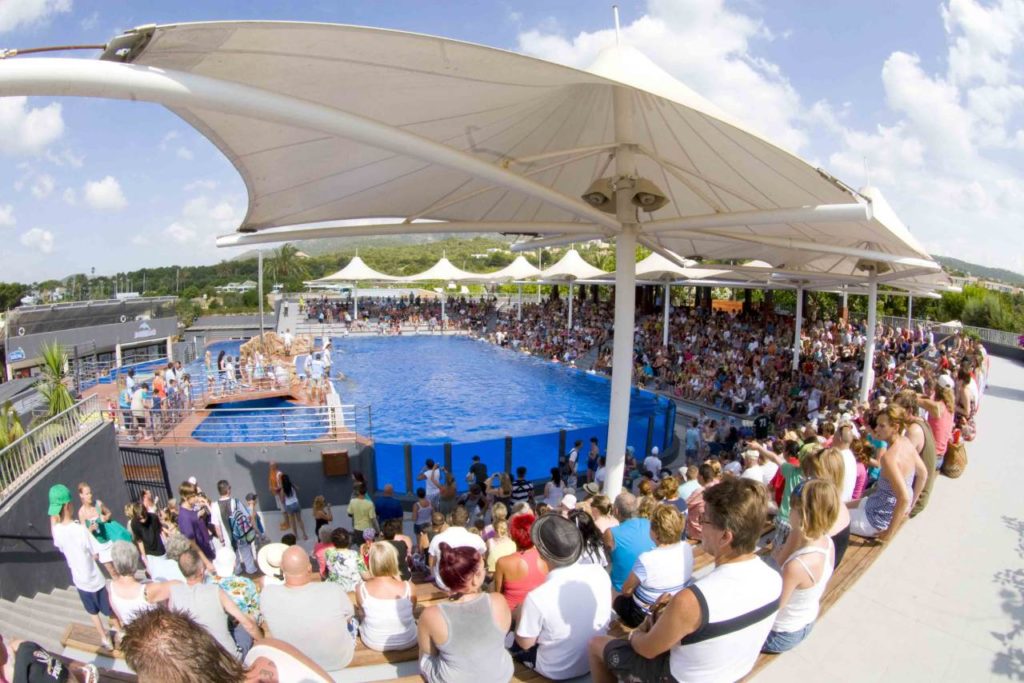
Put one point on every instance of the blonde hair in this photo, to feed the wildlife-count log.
(319, 503)
(828, 465)
(383, 560)
(499, 513)
(602, 504)
(818, 506)
(645, 507)
(646, 487)
(667, 525)
(667, 488)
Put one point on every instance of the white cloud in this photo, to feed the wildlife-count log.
(42, 186)
(39, 239)
(200, 184)
(90, 22)
(70, 197)
(169, 137)
(202, 219)
(65, 158)
(27, 130)
(140, 240)
(7, 219)
(185, 153)
(104, 195)
(18, 13)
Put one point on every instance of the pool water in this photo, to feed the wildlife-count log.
(427, 391)
(262, 420)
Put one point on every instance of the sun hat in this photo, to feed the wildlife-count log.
(569, 501)
(269, 559)
(592, 488)
(751, 454)
(946, 381)
(59, 497)
(557, 540)
(655, 451)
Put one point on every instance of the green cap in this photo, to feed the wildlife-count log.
(59, 497)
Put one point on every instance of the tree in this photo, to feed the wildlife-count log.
(53, 385)
(286, 264)
(11, 428)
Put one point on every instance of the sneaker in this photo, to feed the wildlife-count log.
(106, 644)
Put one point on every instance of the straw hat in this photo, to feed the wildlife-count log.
(269, 559)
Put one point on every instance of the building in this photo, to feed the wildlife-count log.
(97, 334)
(237, 287)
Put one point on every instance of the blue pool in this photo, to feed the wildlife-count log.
(428, 391)
(261, 420)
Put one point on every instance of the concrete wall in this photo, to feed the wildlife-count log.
(246, 467)
(31, 564)
(1012, 352)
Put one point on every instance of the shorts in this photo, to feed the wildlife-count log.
(859, 524)
(95, 602)
(629, 667)
(780, 641)
(629, 612)
(140, 419)
(294, 508)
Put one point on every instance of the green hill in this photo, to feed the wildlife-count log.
(983, 272)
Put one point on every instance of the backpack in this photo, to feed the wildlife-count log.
(241, 524)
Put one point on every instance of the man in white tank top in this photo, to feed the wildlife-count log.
(712, 631)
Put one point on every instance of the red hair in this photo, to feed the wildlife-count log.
(458, 565)
(519, 530)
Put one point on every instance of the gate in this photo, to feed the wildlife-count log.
(144, 468)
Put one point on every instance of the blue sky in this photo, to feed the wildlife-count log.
(924, 99)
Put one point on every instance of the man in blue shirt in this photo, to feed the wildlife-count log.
(387, 506)
(692, 443)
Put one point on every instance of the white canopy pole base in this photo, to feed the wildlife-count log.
(799, 327)
(869, 346)
(664, 330)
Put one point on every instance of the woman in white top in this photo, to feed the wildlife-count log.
(129, 597)
(553, 490)
(814, 507)
(386, 603)
(665, 569)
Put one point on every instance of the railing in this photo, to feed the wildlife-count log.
(287, 424)
(1010, 339)
(363, 327)
(21, 459)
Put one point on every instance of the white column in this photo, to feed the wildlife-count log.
(625, 298)
(570, 304)
(869, 346)
(664, 331)
(910, 311)
(846, 305)
(444, 295)
(799, 326)
(355, 302)
(170, 348)
(259, 294)
(520, 303)
(117, 356)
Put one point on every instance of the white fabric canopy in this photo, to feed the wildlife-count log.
(571, 267)
(445, 270)
(519, 269)
(355, 271)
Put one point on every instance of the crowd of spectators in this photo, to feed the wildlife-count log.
(539, 576)
(389, 315)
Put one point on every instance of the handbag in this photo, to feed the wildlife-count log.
(955, 461)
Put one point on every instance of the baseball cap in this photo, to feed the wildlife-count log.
(193, 481)
(569, 501)
(655, 450)
(59, 497)
(946, 381)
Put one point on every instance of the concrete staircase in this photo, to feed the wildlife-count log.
(43, 618)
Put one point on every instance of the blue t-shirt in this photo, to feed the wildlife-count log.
(632, 537)
(692, 439)
(387, 508)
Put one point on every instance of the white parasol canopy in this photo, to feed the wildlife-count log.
(356, 271)
(571, 267)
(445, 270)
(326, 123)
(519, 269)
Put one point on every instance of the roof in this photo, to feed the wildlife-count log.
(228, 321)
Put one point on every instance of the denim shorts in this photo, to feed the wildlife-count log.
(780, 641)
(294, 508)
(95, 602)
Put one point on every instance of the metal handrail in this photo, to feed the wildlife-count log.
(36, 448)
(293, 424)
(984, 333)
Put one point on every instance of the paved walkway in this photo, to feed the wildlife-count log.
(945, 602)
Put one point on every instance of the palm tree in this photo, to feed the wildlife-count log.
(53, 385)
(10, 425)
(287, 264)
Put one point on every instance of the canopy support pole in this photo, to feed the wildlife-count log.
(570, 304)
(444, 295)
(519, 315)
(869, 346)
(625, 298)
(355, 301)
(799, 326)
(845, 313)
(260, 292)
(664, 330)
(910, 310)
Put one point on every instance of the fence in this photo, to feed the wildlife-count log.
(25, 456)
(1010, 339)
(251, 424)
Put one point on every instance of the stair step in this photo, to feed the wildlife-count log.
(58, 617)
(59, 598)
(14, 624)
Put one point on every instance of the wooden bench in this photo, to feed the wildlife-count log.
(83, 637)
(522, 675)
